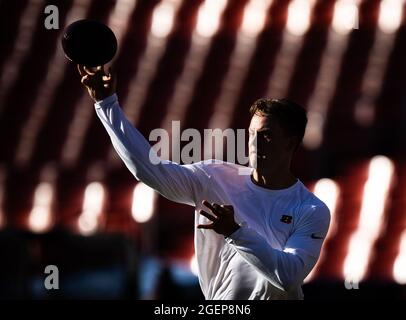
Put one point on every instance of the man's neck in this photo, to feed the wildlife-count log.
(274, 179)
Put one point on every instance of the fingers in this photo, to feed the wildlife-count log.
(207, 204)
(97, 71)
(213, 206)
(95, 76)
(94, 82)
(85, 80)
(208, 215)
(89, 70)
(205, 226)
(112, 75)
(218, 209)
(91, 81)
(82, 70)
(110, 79)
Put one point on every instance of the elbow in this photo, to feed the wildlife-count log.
(291, 285)
(284, 282)
(292, 275)
(291, 282)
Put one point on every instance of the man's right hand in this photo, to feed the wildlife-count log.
(99, 84)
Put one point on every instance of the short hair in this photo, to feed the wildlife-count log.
(290, 116)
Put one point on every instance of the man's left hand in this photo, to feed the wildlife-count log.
(222, 217)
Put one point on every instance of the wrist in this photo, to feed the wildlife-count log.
(232, 230)
(108, 101)
(103, 97)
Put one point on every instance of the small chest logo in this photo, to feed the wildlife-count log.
(286, 219)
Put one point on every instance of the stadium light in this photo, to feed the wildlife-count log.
(23, 40)
(163, 18)
(371, 218)
(299, 12)
(193, 265)
(399, 267)
(208, 17)
(254, 18)
(390, 15)
(40, 218)
(345, 17)
(92, 208)
(52, 78)
(143, 205)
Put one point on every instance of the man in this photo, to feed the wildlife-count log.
(258, 235)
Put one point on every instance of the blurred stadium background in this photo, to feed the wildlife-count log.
(67, 200)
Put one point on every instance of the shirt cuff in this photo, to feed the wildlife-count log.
(236, 234)
(106, 101)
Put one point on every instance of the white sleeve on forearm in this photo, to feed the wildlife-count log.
(288, 268)
(180, 183)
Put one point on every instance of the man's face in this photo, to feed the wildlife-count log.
(267, 141)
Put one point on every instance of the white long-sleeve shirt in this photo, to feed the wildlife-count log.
(281, 231)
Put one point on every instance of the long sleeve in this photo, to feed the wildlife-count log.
(287, 268)
(179, 183)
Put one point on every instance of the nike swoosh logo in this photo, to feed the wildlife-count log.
(315, 236)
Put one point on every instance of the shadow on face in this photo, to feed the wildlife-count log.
(268, 141)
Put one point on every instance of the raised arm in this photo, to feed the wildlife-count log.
(180, 183)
